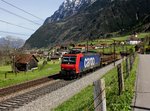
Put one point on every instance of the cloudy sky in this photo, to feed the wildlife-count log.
(25, 23)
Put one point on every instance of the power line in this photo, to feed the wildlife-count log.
(21, 9)
(19, 16)
(16, 25)
(13, 33)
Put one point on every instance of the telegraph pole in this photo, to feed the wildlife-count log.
(114, 52)
(87, 45)
(126, 48)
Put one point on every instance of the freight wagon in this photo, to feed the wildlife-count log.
(74, 65)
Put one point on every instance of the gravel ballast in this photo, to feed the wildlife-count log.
(55, 98)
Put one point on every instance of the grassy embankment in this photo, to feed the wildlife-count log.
(12, 78)
(84, 100)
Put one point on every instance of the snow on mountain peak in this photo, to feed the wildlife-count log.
(68, 8)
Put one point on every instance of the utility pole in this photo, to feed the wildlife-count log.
(88, 41)
(13, 64)
(114, 52)
(126, 48)
(103, 48)
(87, 45)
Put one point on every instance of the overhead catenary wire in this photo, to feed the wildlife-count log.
(16, 25)
(13, 33)
(19, 16)
(22, 10)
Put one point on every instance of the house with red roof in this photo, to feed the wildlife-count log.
(25, 62)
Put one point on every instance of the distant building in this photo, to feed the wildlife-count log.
(25, 62)
(55, 57)
(133, 40)
(79, 48)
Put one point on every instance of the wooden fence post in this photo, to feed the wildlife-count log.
(99, 95)
(15, 73)
(133, 56)
(5, 75)
(127, 67)
(128, 64)
(120, 78)
(130, 61)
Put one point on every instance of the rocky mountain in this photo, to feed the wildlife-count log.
(12, 42)
(97, 19)
(68, 8)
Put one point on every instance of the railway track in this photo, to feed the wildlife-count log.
(21, 100)
(12, 89)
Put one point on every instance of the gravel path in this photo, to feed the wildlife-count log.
(52, 100)
(142, 96)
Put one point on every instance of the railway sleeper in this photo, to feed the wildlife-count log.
(10, 103)
(5, 105)
(29, 96)
(2, 109)
(20, 100)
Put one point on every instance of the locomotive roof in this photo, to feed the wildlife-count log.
(91, 53)
(84, 53)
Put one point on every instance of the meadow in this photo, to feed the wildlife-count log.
(7, 78)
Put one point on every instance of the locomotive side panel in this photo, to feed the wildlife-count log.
(89, 62)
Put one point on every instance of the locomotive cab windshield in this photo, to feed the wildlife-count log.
(69, 60)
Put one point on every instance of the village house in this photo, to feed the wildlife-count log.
(25, 62)
(133, 40)
(79, 48)
(98, 47)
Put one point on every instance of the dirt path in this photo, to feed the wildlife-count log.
(142, 96)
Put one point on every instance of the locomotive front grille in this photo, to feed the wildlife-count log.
(68, 72)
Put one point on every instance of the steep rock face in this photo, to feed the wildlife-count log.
(68, 8)
(94, 21)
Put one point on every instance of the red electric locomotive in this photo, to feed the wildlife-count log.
(73, 65)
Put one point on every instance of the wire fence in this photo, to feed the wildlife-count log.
(124, 71)
(98, 102)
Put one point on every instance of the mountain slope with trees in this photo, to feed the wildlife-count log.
(99, 19)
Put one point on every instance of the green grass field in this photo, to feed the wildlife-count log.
(140, 35)
(110, 40)
(83, 101)
(12, 78)
(118, 49)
